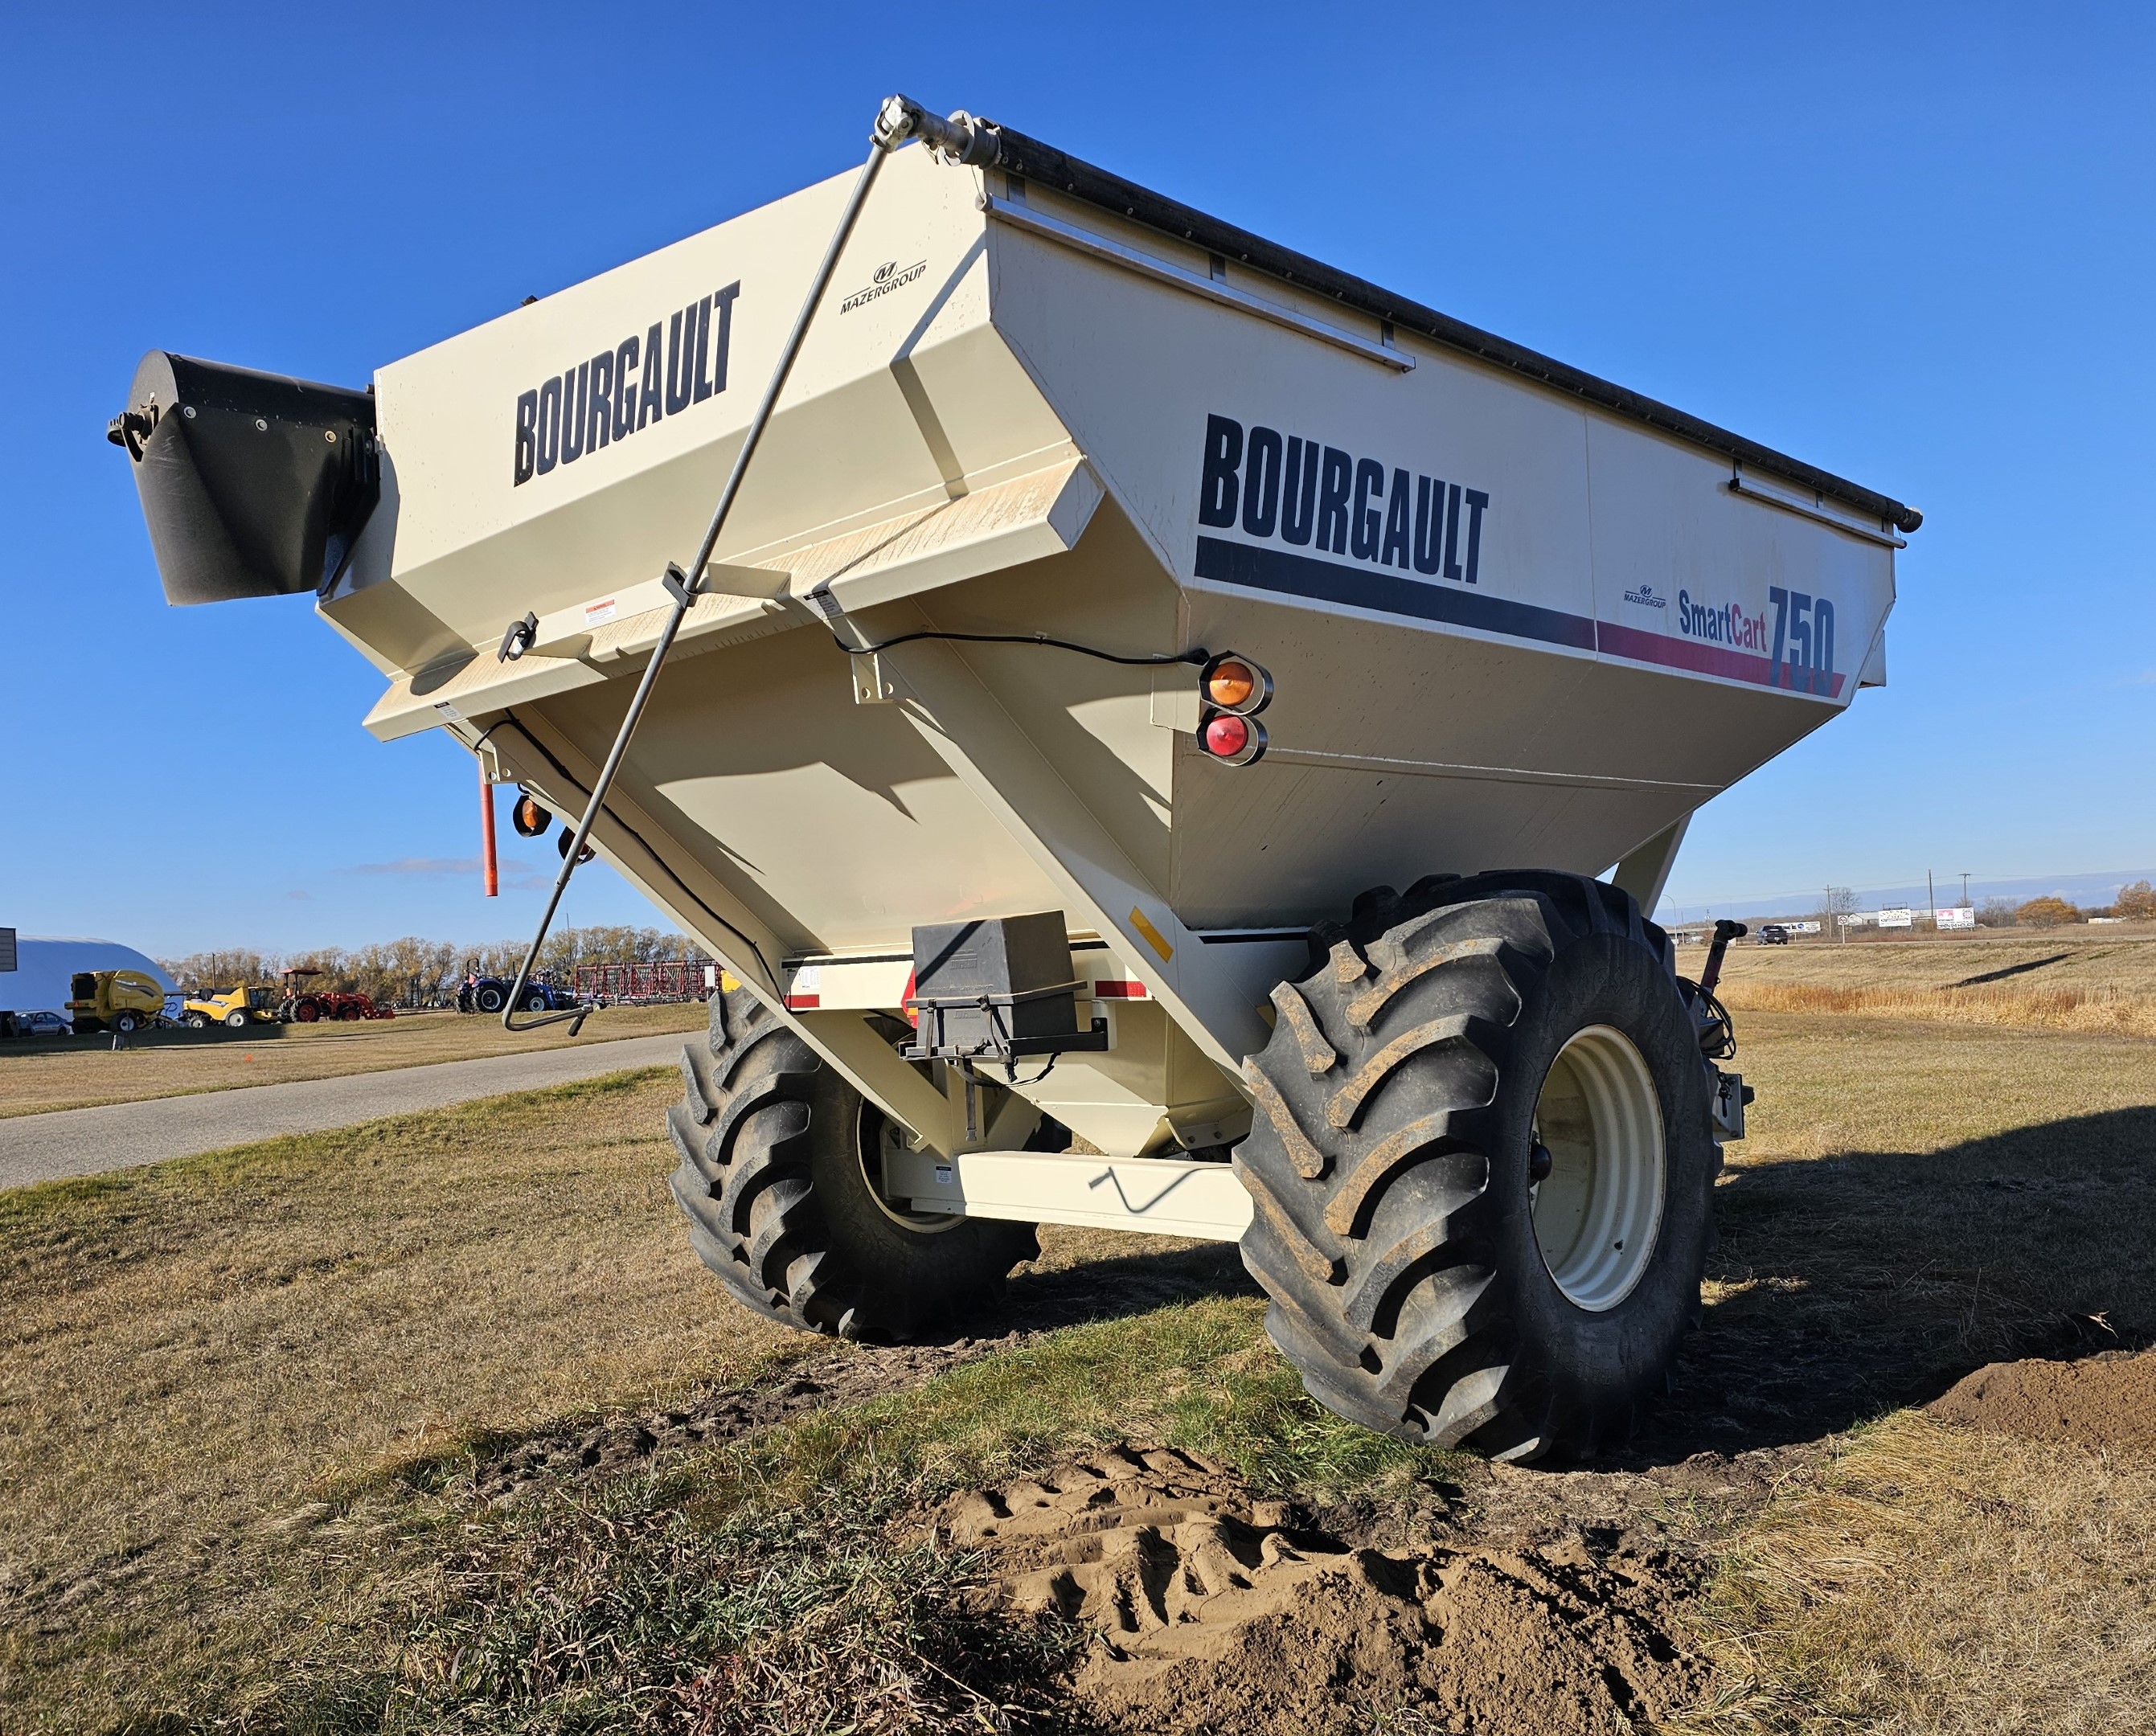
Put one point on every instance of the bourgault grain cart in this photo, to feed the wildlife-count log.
(1046, 863)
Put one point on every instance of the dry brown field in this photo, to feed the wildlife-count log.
(434, 1424)
(2077, 978)
(75, 1072)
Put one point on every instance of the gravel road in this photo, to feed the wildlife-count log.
(119, 1136)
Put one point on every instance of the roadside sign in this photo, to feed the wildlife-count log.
(1903, 917)
(1960, 916)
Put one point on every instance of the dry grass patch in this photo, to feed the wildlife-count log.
(1917, 1199)
(75, 1073)
(2048, 982)
(1927, 1578)
(195, 1354)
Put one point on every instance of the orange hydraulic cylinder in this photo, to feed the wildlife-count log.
(487, 836)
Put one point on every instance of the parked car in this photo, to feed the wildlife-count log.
(1773, 934)
(42, 1024)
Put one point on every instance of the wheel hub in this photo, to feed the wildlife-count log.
(876, 1136)
(1597, 1208)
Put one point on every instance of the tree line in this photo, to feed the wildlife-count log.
(415, 972)
(2135, 902)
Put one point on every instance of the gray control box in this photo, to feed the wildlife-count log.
(997, 987)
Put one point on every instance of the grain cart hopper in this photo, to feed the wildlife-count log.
(1117, 608)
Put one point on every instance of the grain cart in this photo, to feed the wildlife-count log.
(1105, 609)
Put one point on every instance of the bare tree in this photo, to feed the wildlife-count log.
(1839, 905)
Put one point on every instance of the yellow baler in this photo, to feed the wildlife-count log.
(119, 1000)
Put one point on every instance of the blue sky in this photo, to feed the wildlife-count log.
(1910, 245)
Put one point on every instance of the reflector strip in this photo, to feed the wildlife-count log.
(1119, 991)
(803, 1003)
(1150, 935)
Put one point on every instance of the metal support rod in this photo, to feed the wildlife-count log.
(897, 120)
(489, 868)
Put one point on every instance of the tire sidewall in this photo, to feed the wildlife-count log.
(932, 1268)
(1605, 1358)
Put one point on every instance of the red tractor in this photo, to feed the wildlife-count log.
(305, 1006)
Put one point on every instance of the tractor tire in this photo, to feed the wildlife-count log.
(196, 1021)
(126, 1023)
(775, 1149)
(489, 998)
(352, 1012)
(235, 1021)
(307, 1013)
(535, 1002)
(1482, 1165)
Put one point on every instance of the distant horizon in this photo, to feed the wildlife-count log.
(2087, 891)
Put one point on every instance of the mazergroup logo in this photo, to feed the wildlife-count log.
(1645, 597)
(889, 276)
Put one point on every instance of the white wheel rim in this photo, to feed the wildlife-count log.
(1598, 1212)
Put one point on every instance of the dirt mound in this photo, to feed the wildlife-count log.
(2103, 1401)
(1215, 1610)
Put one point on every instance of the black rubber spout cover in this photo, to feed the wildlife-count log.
(252, 485)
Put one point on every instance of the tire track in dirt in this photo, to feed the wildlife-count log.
(624, 1443)
(1040, 1303)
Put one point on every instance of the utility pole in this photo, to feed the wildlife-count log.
(1931, 900)
(1964, 891)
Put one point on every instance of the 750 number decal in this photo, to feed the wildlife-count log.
(1803, 629)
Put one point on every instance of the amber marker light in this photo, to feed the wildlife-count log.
(1230, 684)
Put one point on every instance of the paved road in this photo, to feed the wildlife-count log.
(119, 1136)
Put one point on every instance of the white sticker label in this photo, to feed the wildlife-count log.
(945, 1174)
(597, 614)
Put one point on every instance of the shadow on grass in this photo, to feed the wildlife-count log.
(2020, 969)
(1843, 1286)
(1042, 1301)
(1846, 1287)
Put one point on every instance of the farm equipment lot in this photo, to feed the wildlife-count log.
(432, 1423)
(75, 1073)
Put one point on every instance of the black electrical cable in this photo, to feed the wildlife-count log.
(1010, 1071)
(1198, 656)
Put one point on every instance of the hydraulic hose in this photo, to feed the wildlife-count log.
(899, 119)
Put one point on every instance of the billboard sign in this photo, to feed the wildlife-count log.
(1960, 916)
(1902, 917)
